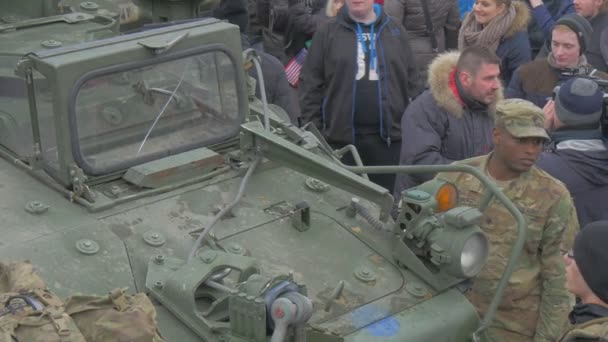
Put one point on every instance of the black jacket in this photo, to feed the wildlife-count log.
(585, 174)
(328, 82)
(439, 128)
(302, 23)
(597, 53)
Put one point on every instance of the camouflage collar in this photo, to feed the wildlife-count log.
(515, 189)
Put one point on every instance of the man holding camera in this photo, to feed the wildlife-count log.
(577, 154)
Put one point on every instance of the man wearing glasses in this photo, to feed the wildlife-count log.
(586, 277)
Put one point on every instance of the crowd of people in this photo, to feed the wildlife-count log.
(510, 87)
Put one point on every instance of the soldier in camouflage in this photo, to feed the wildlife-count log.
(587, 278)
(536, 302)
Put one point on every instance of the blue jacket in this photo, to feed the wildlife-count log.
(584, 171)
(513, 52)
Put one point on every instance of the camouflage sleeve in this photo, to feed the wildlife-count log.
(572, 225)
(555, 299)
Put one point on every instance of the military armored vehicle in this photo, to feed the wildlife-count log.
(141, 160)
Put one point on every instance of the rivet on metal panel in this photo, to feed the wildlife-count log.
(159, 259)
(416, 289)
(236, 248)
(36, 207)
(51, 43)
(365, 274)
(208, 256)
(316, 185)
(89, 5)
(86, 246)
(159, 285)
(154, 239)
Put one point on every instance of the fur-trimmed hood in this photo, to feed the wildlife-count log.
(439, 83)
(521, 21)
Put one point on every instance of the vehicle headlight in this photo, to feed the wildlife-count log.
(474, 255)
(460, 248)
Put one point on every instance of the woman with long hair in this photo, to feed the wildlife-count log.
(501, 26)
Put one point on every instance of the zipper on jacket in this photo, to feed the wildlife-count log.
(323, 113)
(352, 112)
(387, 138)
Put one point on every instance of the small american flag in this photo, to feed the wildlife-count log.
(293, 68)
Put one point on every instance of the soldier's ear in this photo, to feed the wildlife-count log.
(496, 136)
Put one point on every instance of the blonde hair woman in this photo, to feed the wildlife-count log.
(332, 7)
(500, 26)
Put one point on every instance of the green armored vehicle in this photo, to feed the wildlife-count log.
(141, 160)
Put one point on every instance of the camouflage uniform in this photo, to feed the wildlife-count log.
(594, 330)
(536, 303)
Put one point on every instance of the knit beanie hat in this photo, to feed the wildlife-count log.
(580, 26)
(591, 256)
(579, 102)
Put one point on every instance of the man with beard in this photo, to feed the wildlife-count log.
(536, 302)
(453, 119)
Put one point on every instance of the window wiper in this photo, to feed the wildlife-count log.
(171, 97)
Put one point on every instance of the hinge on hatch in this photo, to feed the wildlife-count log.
(34, 159)
(79, 188)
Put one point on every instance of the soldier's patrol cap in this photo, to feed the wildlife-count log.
(521, 118)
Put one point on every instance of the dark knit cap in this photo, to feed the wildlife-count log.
(579, 103)
(580, 26)
(591, 256)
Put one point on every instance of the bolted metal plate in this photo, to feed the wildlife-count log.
(208, 256)
(236, 248)
(51, 44)
(89, 5)
(154, 239)
(36, 207)
(316, 185)
(159, 259)
(416, 289)
(87, 246)
(365, 274)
